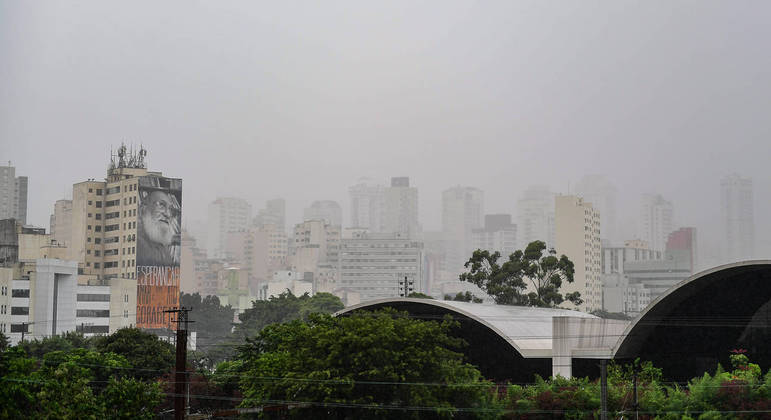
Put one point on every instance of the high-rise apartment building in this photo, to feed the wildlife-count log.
(61, 222)
(13, 194)
(316, 249)
(577, 235)
(129, 226)
(401, 208)
(274, 213)
(367, 205)
(326, 210)
(381, 265)
(599, 191)
(462, 212)
(535, 216)
(498, 234)
(226, 214)
(655, 221)
(737, 218)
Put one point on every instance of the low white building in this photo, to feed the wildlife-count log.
(619, 296)
(284, 280)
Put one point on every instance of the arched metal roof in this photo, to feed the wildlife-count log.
(692, 327)
(528, 330)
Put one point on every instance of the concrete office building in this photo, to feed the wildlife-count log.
(13, 194)
(400, 213)
(327, 210)
(655, 221)
(498, 234)
(61, 222)
(535, 216)
(316, 249)
(577, 235)
(274, 213)
(614, 257)
(367, 205)
(621, 296)
(737, 218)
(375, 265)
(226, 214)
(462, 212)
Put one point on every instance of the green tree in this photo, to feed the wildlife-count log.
(611, 315)
(213, 325)
(149, 356)
(128, 398)
(463, 297)
(67, 341)
(4, 342)
(419, 295)
(383, 361)
(535, 266)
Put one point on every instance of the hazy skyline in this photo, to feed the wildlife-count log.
(299, 100)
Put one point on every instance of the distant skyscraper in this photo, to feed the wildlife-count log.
(535, 216)
(682, 244)
(367, 205)
(655, 221)
(326, 210)
(401, 208)
(226, 214)
(61, 222)
(577, 234)
(738, 218)
(274, 213)
(13, 194)
(498, 234)
(462, 211)
(596, 189)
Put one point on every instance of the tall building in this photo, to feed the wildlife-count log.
(61, 222)
(317, 250)
(599, 191)
(655, 221)
(380, 265)
(738, 218)
(274, 213)
(498, 234)
(682, 244)
(326, 210)
(535, 216)
(367, 205)
(577, 235)
(614, 257)
(401, 208)
(462, 212)
(226, 214)
(13, 194)
(129, 226)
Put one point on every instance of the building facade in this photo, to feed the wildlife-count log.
(380, 265)
(655, 221)
(498, 234)
(367, 205)
(462, 212)
(577, 235)
(226, 214)
(327, 210)
(13, 194)
(401, 208)
(535, 216)
(738, 218)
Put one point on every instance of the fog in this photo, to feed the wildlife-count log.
(300, 99)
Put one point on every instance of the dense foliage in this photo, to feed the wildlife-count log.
(535, 267)
(380, 364)
(463, 297)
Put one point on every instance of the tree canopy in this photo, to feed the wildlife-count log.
(535, 267)
(363, 364)
(145, 352)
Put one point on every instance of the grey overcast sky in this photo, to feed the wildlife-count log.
(299, 99)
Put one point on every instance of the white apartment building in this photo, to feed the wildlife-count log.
(577, 235)
(535, 216)
(400, 214)
(737, 217)
(226, 214)
(61, 222)
(462, 212)
(316, 249)
(655, 221)
(367, 205)
(380, 265)
(13, 194)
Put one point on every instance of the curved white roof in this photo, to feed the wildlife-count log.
(527, 329)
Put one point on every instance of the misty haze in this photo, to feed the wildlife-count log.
(574, 183)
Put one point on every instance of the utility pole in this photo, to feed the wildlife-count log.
(604, 387)
(180, 373)
(24, 326)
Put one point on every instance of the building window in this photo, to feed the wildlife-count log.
(93, 313)
(99, 204)
(89, 227)
(87, 297)
(98, 191)
(98, 216)
(19, 310)
(97, 240)
(97, 253)
(20, 293)
(96, 265)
